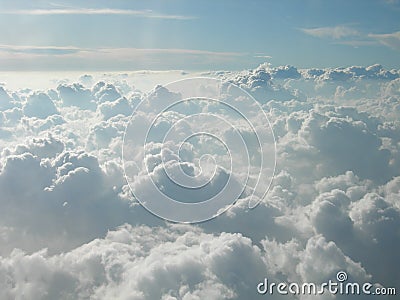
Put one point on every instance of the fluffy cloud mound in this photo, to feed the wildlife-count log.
(353, 73)
(76, 95)
(6, 102)
(347, 145)
(260, 82)
(177, 262)
(70, 227)
(105, 92)
(111, 109)
(126, 265)
(39, 105)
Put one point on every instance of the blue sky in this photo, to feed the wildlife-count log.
(197, 35)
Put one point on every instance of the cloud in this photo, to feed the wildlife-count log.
(333, 204)
(111, 109)
(336, 32)
(357, 43)
(332, 136)
(126, 263)
(105, 92)
(391, 40)
(366, 223)
(39, 50)
(70, 198)
(41, 57)
(263, 56)
(96, 11)
(177, 262)
(39, 105)
(260, 84)
(348, 36)
(48, 147)
(76, 95)
(285, 72)
(6, 102)
(391, 2)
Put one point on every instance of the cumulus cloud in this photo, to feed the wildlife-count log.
(347, 146)
(126, 264)
(63, 201)
(333, 204)
(105, 92)
(170, 263)
(6, 102)
(261, 84)
(76, 95)
(110, 109)
(39, 105)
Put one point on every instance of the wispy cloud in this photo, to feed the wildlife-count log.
(56, 50)
(392, 1)
(263, 56)
(45, 57)
(95, 11)
(391, 40)
(336, 32)
(357, 43)
(348, 36)
(39, 50)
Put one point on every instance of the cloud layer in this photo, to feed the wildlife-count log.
(71, 229)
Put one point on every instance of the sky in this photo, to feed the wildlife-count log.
(196, 35)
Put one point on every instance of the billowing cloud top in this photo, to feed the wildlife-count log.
(70, 228)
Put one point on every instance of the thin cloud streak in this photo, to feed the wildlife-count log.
(26, 48)
(95, 11)
(349, 36)
(73, 58)
(336, 32)
(391, 40)
(357, 43)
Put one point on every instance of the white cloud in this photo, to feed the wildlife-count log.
(336, 32)
(6, 102)
(110, 109)
(177, 262)
(17, 57)
(391, 40)
(333, 204)
(76, 95)
(95, 11)
(39, 105)
(105, 92)
(126, 264)
(347, 145)
(39, 50)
